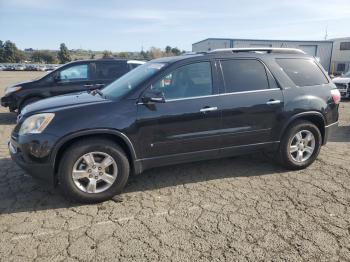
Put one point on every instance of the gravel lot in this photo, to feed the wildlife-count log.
(236, 209)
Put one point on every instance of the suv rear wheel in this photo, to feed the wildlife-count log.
(93, 170)
(300, 145)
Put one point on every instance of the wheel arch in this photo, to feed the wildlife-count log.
(314, 117)
(116, 136)
(23, 99)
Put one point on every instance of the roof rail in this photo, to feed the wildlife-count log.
(260, 49)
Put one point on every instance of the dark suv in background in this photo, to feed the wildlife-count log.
(179, 109)
(73, 77)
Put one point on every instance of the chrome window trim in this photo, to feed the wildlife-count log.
(333, 124)
(214, 95)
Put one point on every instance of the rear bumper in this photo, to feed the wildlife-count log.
(329, 130)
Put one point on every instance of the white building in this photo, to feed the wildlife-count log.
(340, 55)
(320, 49)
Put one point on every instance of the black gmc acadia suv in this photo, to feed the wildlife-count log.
(178, 109)
(77, 76)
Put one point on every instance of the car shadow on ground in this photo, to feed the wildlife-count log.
(21, 193)
(341, 134)
(8, 118)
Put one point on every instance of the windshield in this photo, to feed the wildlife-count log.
(347, 74)
(131, 80)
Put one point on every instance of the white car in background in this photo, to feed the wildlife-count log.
(343, 84)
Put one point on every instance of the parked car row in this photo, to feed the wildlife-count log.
(28, 67)
(170, 110)
(343, 84)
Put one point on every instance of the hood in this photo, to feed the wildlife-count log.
(341, 80)
(63, 102)
(23, 82)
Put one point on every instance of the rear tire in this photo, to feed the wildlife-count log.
(86, 159)
(300, 145)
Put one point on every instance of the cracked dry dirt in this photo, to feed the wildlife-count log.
(236, 209)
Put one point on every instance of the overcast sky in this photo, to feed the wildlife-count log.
(130, 24)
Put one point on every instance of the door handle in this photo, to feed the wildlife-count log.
(208, 109)
(88, 85)
(273, 102)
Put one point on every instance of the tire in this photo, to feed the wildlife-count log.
(73, 159)
(290, 142)
(27, 102)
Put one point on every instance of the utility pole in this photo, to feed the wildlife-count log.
(326, 35)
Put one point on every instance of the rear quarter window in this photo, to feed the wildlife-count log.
(111, 70)
(303, 72)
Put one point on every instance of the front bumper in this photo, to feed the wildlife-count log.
(9, 101)
(32, 154)
(329, 131)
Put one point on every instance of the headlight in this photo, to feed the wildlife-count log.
(36, 124)
(12, 89)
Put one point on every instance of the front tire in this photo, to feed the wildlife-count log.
(93, 170)
(300, 145)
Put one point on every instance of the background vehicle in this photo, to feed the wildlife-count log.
(179, 109)
(73, 77)
(343, 84)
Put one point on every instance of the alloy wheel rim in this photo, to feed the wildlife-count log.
(302, 146)
(94, 172)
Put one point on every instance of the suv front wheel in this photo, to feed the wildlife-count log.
(300, 145)
(93, 170)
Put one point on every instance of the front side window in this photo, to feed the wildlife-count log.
(187, 81)
(244, 75)
(76, 72)
(303, 72)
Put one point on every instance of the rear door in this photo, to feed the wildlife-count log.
(107, 71)
(72, 78)
(250, 103)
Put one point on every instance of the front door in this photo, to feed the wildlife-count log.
(186, 124)
(74, 78)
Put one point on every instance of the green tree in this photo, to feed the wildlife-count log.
(43, 57)
(92, 56)
(107, 54)
(176, 51)
(123, 55)
(11, 54)
(155, 52)
(168, 49)
(64, 55)
(1, 51)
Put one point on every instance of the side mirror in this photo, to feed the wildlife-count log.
(56, 77)
(153, 97)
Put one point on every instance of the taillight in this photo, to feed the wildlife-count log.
(336, 96)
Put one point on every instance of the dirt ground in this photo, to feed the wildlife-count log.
(236, 209)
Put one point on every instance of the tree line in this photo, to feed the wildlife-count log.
(9, 53)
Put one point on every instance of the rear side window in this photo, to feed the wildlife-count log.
(244, 75)
(303, 72)
(110, 70)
